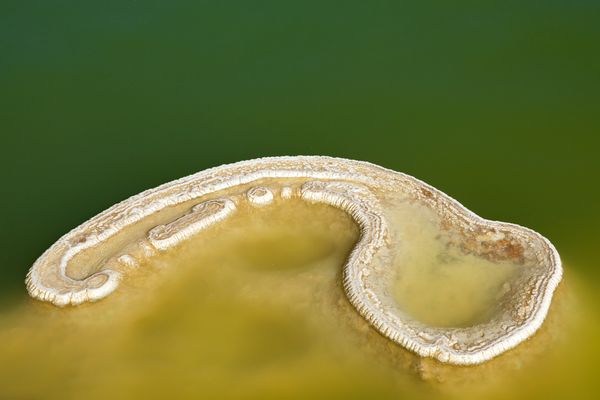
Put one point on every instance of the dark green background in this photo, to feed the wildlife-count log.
(494, 102)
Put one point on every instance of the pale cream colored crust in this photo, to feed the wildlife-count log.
(359, 188)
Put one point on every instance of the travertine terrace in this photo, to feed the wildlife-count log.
(88, 262)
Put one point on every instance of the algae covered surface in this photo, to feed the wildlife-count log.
(494, 103)
(254, 308)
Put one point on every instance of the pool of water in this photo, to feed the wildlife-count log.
(439, 285)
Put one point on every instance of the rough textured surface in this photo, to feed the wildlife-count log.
(87, 263)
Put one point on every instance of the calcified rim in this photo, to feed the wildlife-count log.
(350, 185)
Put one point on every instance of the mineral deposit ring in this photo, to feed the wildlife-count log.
(76, 268)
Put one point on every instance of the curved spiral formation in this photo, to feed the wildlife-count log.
(76, 268)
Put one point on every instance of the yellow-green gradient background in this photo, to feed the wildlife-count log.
(497, 103)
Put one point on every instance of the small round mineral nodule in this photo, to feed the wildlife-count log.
(426, 272)
(259, 195)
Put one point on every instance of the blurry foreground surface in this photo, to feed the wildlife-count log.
(254, 308)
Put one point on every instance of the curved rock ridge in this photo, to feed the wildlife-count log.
(87, 263)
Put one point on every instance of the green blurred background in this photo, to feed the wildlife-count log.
(494, 102)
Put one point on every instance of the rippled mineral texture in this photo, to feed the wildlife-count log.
(425, 272)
